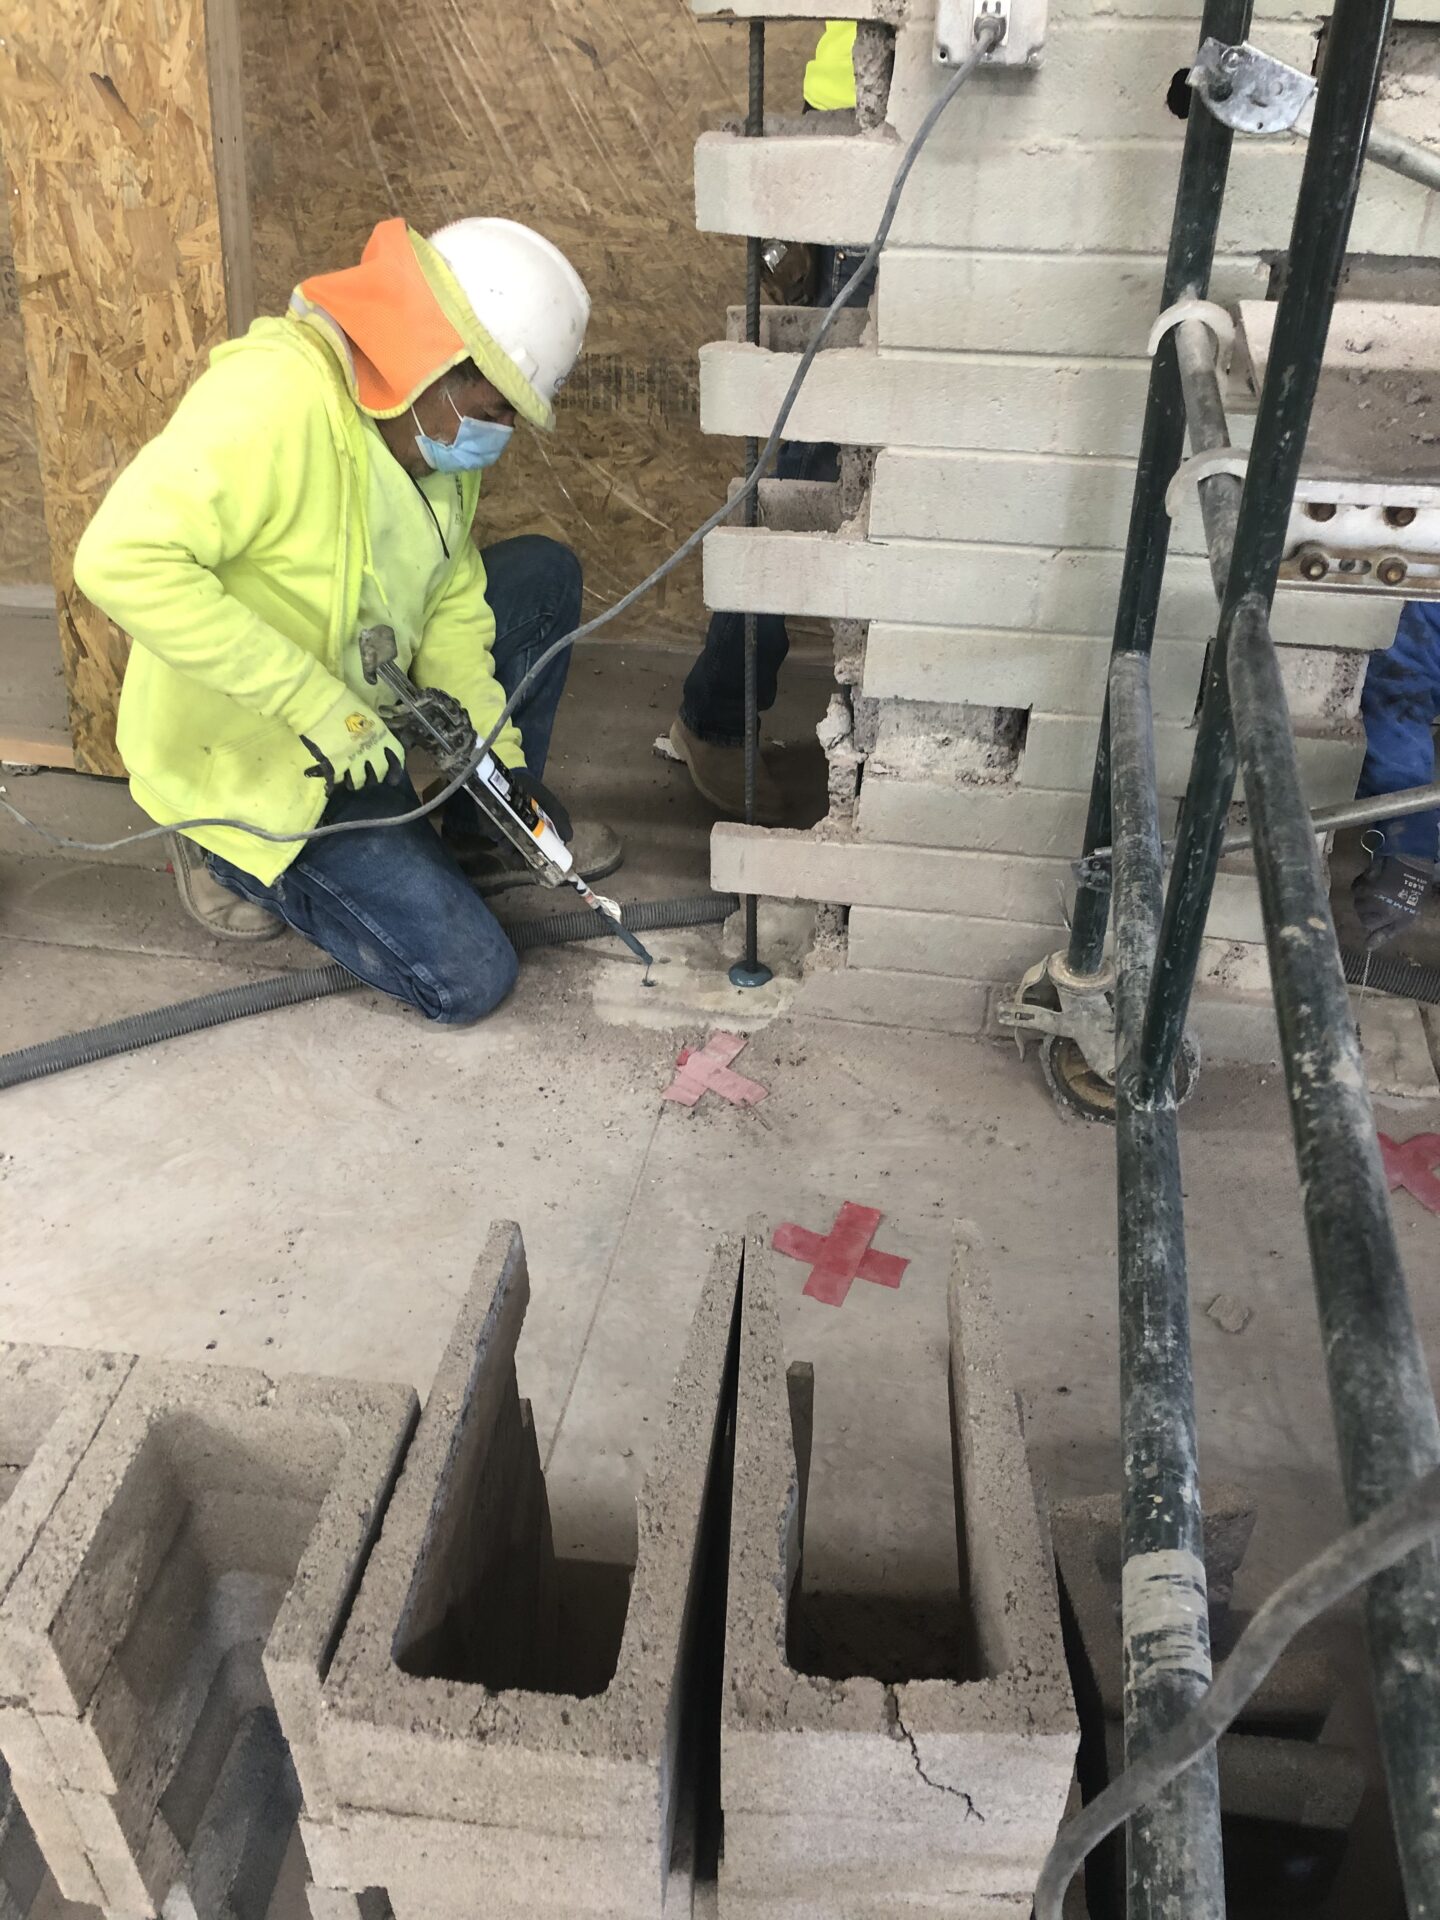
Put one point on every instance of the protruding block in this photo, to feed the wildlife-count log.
(888, 1798)
(466, 1745)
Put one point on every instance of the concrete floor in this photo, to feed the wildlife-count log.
(307, 1190)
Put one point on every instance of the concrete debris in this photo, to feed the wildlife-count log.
(1229, 1313)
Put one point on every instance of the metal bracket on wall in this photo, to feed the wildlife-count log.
(1250, 91)
(1019, 45)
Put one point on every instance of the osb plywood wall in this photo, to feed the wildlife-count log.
(576, 118)
(24, 549)
(105, 116)
(581, 120)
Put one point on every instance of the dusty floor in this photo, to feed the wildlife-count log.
(307, 1191)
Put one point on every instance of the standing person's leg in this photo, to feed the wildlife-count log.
(534, 588)
(393, 906)
(709, 734)
(533, 585)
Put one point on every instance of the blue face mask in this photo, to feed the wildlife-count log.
(477, 444)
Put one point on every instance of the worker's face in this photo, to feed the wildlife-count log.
(464, 392)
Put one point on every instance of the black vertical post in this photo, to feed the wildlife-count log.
(1380, 1397)
(1334, 159)
(1174, 1867)
(750, 971)
(1199, 195)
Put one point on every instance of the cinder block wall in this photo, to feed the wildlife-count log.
(1001, 383)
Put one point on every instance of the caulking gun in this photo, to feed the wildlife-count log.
(441, 724)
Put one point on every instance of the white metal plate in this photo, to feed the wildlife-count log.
(1025, 23)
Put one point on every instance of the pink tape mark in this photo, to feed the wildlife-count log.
(707, 1070)
(1412, 1164)
(841, 1256)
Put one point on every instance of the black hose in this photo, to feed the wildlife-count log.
(138, 1030)
(640, 916)
(1390, 974)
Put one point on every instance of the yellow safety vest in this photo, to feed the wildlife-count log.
(830, 76)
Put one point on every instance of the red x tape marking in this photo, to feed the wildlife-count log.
(1411, 1164)
(842, 1255)
(707, 1070)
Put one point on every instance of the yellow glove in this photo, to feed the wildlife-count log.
(353, 747)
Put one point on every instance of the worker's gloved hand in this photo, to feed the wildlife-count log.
(1389, 894)
(353, 747)
(525, 786)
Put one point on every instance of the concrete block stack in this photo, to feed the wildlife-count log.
(271, 1645)
(171, 1524)
(922, 1797)
(1000, 387)
(461, 1748)
(1288, 1794)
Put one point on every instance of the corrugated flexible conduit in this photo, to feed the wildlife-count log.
(138, 1030)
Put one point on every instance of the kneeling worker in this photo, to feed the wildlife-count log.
(321, 477)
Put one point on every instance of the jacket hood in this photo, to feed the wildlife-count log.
(399, 320)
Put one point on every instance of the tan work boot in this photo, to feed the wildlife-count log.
(719, 777)
(216, 909)
(491, 868)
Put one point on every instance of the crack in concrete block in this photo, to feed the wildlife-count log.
(840, 1789)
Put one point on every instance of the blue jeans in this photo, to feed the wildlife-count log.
(394, 906)
(712, 705)
(1400, 706)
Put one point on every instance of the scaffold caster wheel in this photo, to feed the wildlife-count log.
(1077, 1088)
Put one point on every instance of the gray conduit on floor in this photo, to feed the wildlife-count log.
(317, 983)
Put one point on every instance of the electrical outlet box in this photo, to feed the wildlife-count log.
(1021, 44)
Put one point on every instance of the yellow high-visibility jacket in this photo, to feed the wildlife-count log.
(830, 76)
(232, 549)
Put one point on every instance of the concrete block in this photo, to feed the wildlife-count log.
(1099, 78)
(1048, 499)
(24, 1747)
(1322, 685)
(976, 1770)
(212, 1509)
(974, 745)
(1100, 304)
(24, 1877)
(328, 1903)
(235, 1859)
(965, 946)
(869, 398)
(1007, 819)
(51, 1402)
(466, 1749)
(802, 866)
(1395, 1048)
(869, 997)
(1058, 672)
(1060, 753)
(50, 1819)
(1094, 196)
(1023, 589)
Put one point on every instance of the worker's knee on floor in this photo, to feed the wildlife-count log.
(473, 984)
(470, 993)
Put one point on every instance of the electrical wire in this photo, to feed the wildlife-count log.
(987, 33)
(1405, 1523)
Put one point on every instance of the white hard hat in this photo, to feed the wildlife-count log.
(525, 294)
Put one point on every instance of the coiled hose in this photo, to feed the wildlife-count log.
(1387, 973)
(138, 1030)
